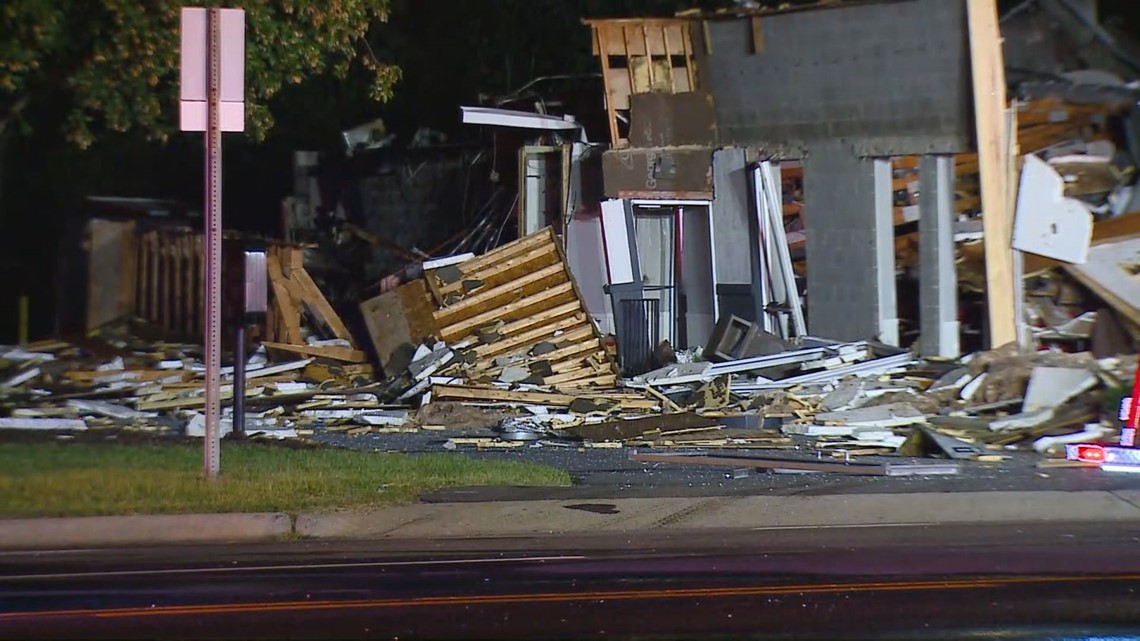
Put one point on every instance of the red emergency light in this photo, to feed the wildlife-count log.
(1089, 453)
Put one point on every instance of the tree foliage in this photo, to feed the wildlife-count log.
(116, 61)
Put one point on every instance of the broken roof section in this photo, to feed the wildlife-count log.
(642, 55)
(1053, 49)
(1050, 46)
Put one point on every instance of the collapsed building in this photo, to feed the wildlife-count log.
(785, 224)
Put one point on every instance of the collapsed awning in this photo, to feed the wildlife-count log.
(517, 119)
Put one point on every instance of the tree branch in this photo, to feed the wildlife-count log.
(11, 113)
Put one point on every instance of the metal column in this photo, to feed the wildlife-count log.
(938, 279)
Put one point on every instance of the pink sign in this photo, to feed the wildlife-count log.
(196, 69)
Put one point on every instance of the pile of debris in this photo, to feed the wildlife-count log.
(505, 337)
(128, 385)
(472, 326)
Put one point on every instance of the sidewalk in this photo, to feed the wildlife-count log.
(528, 518)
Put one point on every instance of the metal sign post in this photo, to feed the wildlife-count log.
(213, 87)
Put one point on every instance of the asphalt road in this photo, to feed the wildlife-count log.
(907, 582)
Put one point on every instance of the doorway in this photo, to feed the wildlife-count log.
(674, 242)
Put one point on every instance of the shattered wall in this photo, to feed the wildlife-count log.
(890, 78)
(413, 202)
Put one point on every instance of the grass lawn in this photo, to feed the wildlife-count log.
(81, 479)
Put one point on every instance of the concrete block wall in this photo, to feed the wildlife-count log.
(843, 246)
(892, 78)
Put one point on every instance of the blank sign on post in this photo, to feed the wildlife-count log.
(195, 50)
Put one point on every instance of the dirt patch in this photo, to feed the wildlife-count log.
(459, 416)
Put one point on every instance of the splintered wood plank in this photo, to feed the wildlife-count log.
(290, 315)
(578, 295)
(134, 376)
(554, 357)
(346, 354)
(487, 299)
(473, 267)
(532, 321)
(578, 333)
(552, 399)
(504, 271)
(542, 318)
(575, 362)
(599, 382)
(553, 296)
(545, 332)
(456, 392)
(319, 305)
(574, 374)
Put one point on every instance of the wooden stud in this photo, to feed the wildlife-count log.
(536, 335)
(598, 382)
(456, 392)
(474, 267)
(757, 36)
(290, 314)
(346, 354)
(490, 295)
(601, 35)
(686, 40)
(649, 58)
(567, 377)
(989, 112)
(318, 304)
(668, 403)
(570, 334)
(491, 275)
(567, 212)
(669, 57)
(570, 351)
(457, 330)
(530, 321)
(629, 64)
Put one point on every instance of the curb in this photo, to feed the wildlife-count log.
(427, 521)
(109, 531)
(569, 517)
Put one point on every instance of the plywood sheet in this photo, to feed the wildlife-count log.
(110, 271)
(399, 320)
(1113, 273)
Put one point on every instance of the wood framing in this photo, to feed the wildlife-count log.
(642, 55)
(990, 106)
(516, 307)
